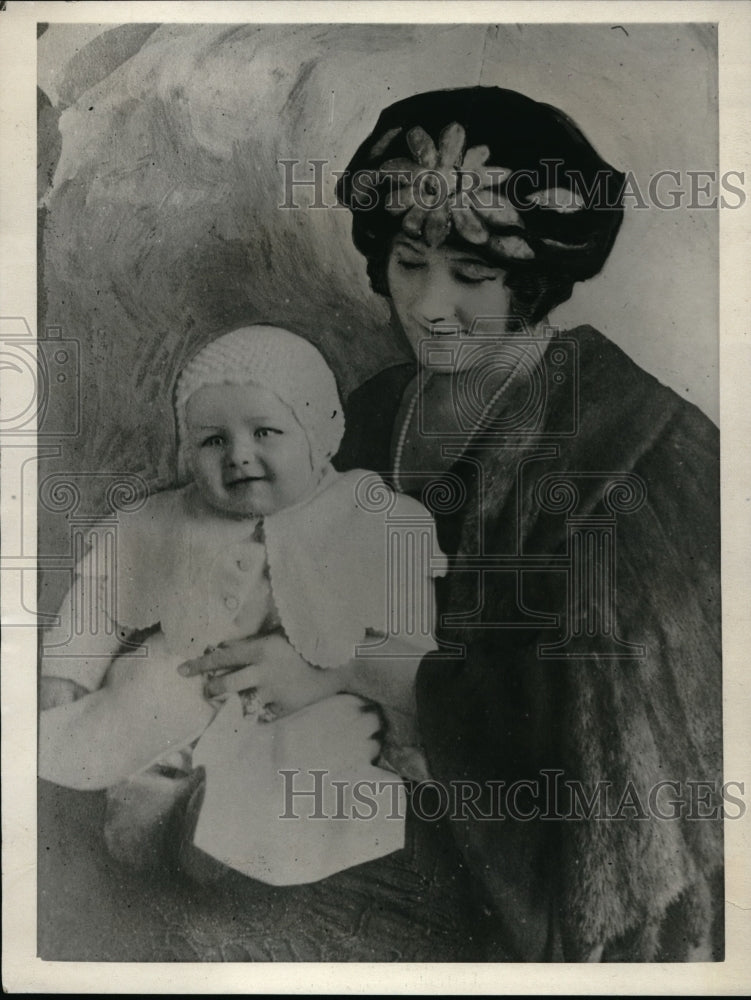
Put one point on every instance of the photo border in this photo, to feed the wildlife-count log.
(23, 971)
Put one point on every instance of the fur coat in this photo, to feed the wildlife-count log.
(581, 656)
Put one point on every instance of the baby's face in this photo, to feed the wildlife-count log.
(249, 455)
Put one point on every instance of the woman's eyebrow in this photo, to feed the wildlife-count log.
(460, 258)
(403, 244)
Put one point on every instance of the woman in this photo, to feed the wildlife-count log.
(577, 687)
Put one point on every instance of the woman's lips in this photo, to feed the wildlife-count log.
(245, 481)
(439, 331)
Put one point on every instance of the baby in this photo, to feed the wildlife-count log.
(264, 537)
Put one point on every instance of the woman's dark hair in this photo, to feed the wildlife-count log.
(566, 201)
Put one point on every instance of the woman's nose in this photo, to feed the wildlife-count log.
(435, 306)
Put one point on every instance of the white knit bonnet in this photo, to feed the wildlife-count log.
(287, 365)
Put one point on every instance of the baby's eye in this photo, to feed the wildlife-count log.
(213, 441)
(264, 432)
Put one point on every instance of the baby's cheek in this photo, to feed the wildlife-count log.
(207, 476)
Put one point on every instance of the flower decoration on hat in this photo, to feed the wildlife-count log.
(446, 186)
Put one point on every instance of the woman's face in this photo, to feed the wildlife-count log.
(443, 287)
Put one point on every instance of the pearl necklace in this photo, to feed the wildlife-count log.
(399, 450)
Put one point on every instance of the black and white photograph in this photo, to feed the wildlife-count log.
(368, 437)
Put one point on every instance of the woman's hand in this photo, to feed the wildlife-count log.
(270, 665)
(54, 691)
